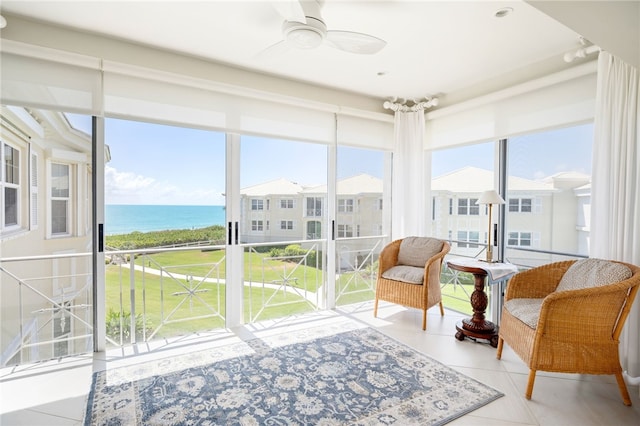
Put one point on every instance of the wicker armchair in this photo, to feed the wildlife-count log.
(567, 317)
(409, 274)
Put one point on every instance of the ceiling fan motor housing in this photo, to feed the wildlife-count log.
(307, 35)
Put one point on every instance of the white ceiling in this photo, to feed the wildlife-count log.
(452, 49)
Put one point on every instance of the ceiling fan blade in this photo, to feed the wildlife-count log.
(290, 10)
(353, 42)
(274, 50)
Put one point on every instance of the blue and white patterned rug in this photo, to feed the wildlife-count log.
(354, 377)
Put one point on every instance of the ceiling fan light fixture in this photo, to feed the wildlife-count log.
(307, 35)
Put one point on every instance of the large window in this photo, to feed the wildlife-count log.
(548, 196)
(459, 176)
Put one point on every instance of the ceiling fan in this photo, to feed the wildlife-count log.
(304, 28)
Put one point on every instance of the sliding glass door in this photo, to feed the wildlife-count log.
(362, 217)
(283, 226)
(164, 231)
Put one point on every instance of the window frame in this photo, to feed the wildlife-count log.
(517, 205)
(287, 203)
(469, 207)
(69, 220)
(344, 230)
(465, 239)
(17, 187)
(257, 204)
(286, 225)
(346, 205)
(317, 206)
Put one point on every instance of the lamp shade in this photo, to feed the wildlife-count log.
(490, 197)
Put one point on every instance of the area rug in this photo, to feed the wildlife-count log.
(354, 377)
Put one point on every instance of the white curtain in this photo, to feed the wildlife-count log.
(407, 208)
(615, 193)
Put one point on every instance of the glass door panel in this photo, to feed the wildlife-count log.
(46, 249)
(360, 222)
(165, 231)
(459, 176)
(282, 226)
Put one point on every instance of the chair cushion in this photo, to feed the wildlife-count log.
(404, 273)
(526, 310)
(586, 273)
(415, 251)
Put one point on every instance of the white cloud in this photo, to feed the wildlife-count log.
(131, 188)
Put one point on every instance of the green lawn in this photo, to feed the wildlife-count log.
(256, 267)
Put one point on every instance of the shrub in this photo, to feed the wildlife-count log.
(114, 323)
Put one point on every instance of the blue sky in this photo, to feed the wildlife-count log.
(159, 164)
(532, 156)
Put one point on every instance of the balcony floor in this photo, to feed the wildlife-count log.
(55, 392)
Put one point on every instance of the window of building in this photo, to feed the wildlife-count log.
(345, 205)
(286, 203)
(345, 231)
(520, 205)
(257, 225)
(286, 224)
(470, 237)
(468, 206)
(257, 204)
(314, 206)
(10, 186)
(60, 198)
(314, 230)
(522, 239)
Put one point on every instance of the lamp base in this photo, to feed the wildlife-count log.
(489, 258)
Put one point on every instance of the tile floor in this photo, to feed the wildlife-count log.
(55, 393)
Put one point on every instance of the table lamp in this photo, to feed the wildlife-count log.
(490, 198)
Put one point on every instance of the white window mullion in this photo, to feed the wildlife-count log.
(33, 190)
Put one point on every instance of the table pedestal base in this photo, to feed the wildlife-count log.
(477, 330)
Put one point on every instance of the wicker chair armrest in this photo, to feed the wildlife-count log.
(587, 314)
(388, 256)
(536, 283)
(433, 267)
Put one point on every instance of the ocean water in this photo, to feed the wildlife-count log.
(123, 219)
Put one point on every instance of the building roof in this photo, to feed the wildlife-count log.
(476, 180)
(354, 185)
(275, 187)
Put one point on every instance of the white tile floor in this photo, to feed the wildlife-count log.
(54, 393)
